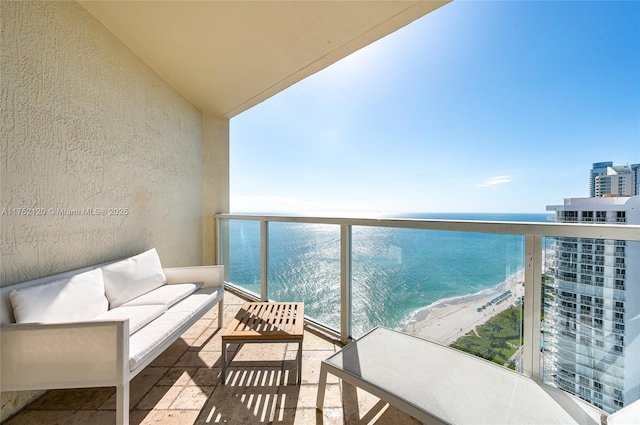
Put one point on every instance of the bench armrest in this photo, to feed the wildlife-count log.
(64, 355)
(210, 276)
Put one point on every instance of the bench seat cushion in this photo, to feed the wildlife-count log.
(166, 295)
(138, 315)
(161, 332)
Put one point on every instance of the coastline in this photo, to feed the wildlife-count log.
(447, 319)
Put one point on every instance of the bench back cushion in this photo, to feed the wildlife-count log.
(77, 298)
(134, 276)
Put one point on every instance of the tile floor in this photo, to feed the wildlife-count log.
(182, 387)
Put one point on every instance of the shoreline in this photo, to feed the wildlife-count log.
(445, 320)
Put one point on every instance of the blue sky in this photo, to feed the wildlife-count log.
(498, 106)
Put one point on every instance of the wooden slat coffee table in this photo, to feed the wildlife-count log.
(265, 322)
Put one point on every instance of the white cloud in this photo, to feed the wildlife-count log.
(494, 181)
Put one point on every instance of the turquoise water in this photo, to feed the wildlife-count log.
(394, 271)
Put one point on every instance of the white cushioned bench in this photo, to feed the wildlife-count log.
(100, 325)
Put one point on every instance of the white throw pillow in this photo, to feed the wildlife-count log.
(77, 298)
(132, 277)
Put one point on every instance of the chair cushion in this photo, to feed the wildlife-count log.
(76, 298)
(138, 315)
(129, 278)
(167, 295)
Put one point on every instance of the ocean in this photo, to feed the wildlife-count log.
(395, 272)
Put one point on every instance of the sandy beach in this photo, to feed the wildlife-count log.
(446, 320)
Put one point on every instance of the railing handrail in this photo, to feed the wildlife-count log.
(581, 230)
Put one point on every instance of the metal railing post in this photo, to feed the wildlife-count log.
(222, 251)
(532, 305)
(264, 260)
(345, 283)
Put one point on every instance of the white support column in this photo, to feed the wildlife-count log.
(264, 260)
(215, 180)
(345, 282)
(532, 305)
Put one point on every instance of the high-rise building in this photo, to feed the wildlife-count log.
(605, 179)
(592, 306)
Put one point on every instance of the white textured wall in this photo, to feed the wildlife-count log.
(86, 124)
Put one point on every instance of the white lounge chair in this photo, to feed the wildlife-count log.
(437, 384)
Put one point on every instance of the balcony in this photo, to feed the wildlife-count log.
(183, 387)
(182, 95)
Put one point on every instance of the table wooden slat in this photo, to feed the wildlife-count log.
(267, 320)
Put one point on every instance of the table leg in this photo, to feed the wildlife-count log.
(322, 384)
(300, 362)
(224, 362)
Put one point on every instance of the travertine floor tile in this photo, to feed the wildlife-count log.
(260, 352)
(179, 375)
(42, 417)
(171, 354)
(73, 399)
(140, 385)
(308, 416)
(192, 398)
(159, 398)
(163, 417)
(193, 358)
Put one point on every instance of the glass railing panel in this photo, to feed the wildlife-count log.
(241, 255)
(454, 288)
(304, 265)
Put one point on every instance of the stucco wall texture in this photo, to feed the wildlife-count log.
(100, 158)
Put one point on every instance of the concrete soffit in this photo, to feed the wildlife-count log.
(227, 56)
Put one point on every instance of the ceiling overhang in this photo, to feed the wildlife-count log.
(227, 56)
